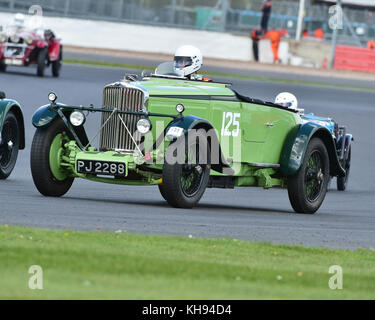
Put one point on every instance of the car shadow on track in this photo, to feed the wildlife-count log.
(25, 74)
(241, 208)
(206, 207)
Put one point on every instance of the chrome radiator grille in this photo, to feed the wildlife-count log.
(114, 135)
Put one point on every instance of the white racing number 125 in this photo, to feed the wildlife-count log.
(230, 121)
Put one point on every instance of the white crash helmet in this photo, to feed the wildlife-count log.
(287, 99)
(187, 60)
(19, 20)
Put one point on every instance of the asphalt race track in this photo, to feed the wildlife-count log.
(346, 219)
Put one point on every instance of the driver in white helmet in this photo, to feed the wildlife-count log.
(19, 21)
(288, 100)
(187, 61)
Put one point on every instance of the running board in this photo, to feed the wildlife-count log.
(264, 165)
(221, 182)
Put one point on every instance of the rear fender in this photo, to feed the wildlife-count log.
(296, 144)
(54, 51)
(192, 122)
(8, 105)
(348, 138)
(348, 142)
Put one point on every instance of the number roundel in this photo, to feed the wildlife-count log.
(230, 119)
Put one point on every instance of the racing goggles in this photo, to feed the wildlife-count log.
(182, 62)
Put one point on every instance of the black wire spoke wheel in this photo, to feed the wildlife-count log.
(192, 173)
(184, 184)
(314, 177)
(307, 189)
(9, 145)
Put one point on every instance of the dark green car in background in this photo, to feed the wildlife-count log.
(12, 138)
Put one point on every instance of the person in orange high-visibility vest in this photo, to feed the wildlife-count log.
(371, 45)
(275, 38)
(319, 34)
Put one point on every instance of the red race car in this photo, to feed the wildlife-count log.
(22, 47)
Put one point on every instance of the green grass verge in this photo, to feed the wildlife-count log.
(91, 265)
(218, 74)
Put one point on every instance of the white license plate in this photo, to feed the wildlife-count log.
(107, 168)
(14, 62)
(175, 132)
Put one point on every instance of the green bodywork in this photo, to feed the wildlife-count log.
(261, 144)
(9, 105)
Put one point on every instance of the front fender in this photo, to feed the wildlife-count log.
(193, 122)
(44, 116)
(8, 105)
(296, 144)
(187, 122)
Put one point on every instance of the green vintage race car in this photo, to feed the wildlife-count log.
(186, 135)
(12, 138)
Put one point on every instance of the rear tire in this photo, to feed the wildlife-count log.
(184, 184)
(45, 181)
(342, 182)
(308, 188)
(56, 66)
(9, 146)
(42, 57)
(3, 67)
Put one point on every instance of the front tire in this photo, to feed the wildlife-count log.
(162, 191)
(48, 177)
(184, 184)
(9, 145)
(308, 188)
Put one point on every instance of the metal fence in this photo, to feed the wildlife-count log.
(235, 16)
